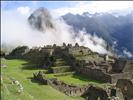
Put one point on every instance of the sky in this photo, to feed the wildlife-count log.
(16, 30)
(62, 7)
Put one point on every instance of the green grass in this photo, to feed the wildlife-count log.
(32, 90)
(76, 79)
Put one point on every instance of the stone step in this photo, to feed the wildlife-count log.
(64, 74)
(60, 62)
(61, 69)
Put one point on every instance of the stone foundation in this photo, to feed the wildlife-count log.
(89, 91)
(95, 74)
(70, 90)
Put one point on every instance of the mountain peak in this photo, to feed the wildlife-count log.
(40, 19)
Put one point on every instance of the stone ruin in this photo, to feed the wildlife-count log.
(90, 92)
(70, 90)
(126, 86)
(105, 68)
(106, 71)
(99, 67)
(40, 77)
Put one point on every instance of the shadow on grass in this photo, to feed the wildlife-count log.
(35, 81)
(85, 78)
(29, 66)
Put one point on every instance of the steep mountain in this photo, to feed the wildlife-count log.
(41, 19)
(113, 29)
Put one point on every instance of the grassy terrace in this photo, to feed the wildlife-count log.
(32, 90)
(76, 80)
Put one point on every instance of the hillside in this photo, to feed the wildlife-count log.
(32, 90)
(116, 30)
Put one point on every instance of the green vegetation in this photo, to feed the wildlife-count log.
(32, 90)
(76, 79)
(18, 69)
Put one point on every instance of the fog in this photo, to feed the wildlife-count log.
(15, 30)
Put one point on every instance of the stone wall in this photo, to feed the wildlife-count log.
(128, 66)
(103, 71)
(61, 69)
(126, 86)
(88, 91)
(122, 65)
(101, 75)
(117, 76)
(79, 51)
(64, 74)
(40, 77)
(110, 93)
(94, 73)
(97, 94)
(70, 90)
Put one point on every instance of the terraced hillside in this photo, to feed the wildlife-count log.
(31, 89)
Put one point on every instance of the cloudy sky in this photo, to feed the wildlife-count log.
(15, 28)
(63, 7)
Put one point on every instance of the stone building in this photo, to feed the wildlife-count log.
(122, 65)
(107, 69)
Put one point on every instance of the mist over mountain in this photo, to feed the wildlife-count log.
(98, 31)
(116, 30)
(40, 28)
(41, 19)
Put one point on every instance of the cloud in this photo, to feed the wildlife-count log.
(17, 31)
(127, 53)
(95, 6)
(24, 10)
(95, 43)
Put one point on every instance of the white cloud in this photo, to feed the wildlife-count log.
(24, 10)
(95, 6)
(127, 53)
(16, 31)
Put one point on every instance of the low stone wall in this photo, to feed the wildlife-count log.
(89, 91)
(64, 74)
(101, 75)
(70, 90)
(96, 74)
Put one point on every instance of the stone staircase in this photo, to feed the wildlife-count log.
(61, 68)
